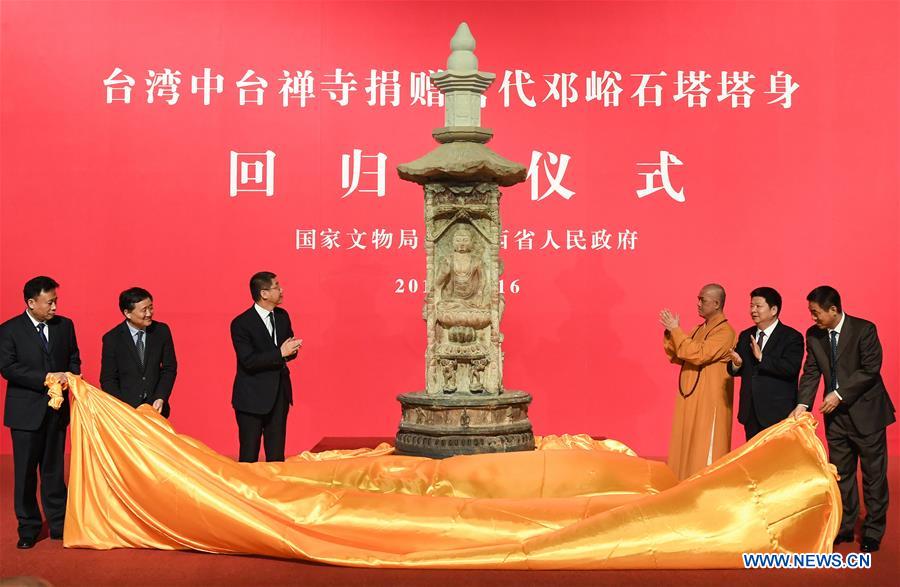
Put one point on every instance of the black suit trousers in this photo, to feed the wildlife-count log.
(847, 449)
(752, 426)
(40, 450)
(270, 428)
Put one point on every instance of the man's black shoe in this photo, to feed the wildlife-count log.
(870, 545)
(840, 538)
(56, 535)
(25, 543)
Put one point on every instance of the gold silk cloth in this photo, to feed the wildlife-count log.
(573, 503)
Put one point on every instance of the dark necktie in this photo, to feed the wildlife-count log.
(272, 322)
(140, 346)
(44, 342)
(759, 339)
(834, 376)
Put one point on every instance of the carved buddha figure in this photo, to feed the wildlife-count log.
(461, 278)
(462, 304)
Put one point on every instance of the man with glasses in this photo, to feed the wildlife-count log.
(263, 344)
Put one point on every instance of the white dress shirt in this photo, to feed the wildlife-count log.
(264, 314)
(837, 341)
(134, 333)
(768, 334)
(36, 322)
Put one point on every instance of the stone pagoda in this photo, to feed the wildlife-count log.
(464, 408)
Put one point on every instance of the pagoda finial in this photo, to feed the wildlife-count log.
(462, 46)
(463, 86)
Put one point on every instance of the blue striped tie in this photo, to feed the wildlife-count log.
(44, 342)
(140, 346)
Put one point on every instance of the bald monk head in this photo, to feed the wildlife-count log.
(711, 301)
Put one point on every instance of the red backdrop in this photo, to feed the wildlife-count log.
(105, 196)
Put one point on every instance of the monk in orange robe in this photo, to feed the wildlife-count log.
(701, 429)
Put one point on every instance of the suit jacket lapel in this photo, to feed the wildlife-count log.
(824, 343)
(35, 334)
(128, 341)
(844, 336)
(775, 338)
(280, 329)
(260, 324)
(52, 336)
(150, 342)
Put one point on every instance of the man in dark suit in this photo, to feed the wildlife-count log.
(846, 352)
(34, 345)
(263, 344)
(138, 363)
(767, 358)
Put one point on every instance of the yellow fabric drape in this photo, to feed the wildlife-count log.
(574, 503)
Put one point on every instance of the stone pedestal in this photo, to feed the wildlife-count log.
(444, 426)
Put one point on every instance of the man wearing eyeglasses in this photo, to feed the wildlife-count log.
(263, 344)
